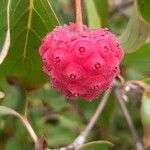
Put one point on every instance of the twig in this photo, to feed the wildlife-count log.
(82, 137)
(78, 11)
(125, 111)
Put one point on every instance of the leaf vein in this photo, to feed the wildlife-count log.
(41, 19)
(19, 1)
(28, 27)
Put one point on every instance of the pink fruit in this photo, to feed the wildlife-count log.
(81, 61)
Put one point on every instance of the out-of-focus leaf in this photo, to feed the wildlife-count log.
(102, 9)
(50, 97)
(147, 81)
(30, 20)
(143, 8)
(59, 135)
(97, 12)
(4, 29)
(13, 145)
(135, 33)
(2, 94)
(64, 10)
(134, 74)
(145, 117)
(139, 60)
(92, 14)
(96, 145)
(8, 111)
(117, 24)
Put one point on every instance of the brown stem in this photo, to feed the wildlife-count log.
(78, 12)
(125, 111)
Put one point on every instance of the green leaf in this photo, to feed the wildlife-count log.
(59, 135)
(143, 8)
(135, 33)
(13, 145)
(8, 111)
(102, 9)
(30, 20)
(96, 145)
(92, 14)
(4, 29)
(97, 12)
(145, 108)
(147, 81)
(139, 60)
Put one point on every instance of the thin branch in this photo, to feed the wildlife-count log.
(125, 111)
(78, 11)
(83, 136)
(97, 113)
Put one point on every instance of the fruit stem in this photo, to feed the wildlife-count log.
(137, 143)
(78, 12)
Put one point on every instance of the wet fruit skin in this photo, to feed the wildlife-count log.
(81, 61)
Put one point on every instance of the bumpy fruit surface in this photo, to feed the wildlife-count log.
(81, 61)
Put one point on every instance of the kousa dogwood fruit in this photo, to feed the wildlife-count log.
(81, 61)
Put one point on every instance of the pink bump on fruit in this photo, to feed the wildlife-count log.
(81, 61)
